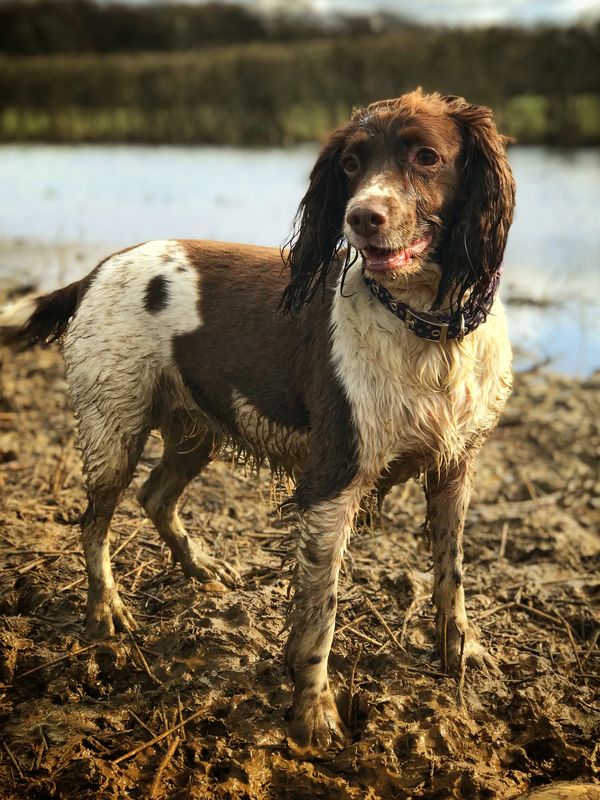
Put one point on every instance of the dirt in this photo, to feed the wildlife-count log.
(76, 719)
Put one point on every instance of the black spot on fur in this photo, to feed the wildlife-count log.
(331, 602)
(314, 660)
(457, 577)
(157, 294)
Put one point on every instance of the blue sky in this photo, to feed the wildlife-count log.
(458, 12)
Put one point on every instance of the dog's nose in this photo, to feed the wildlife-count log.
(366, 219)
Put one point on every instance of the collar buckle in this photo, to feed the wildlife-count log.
(436, 331)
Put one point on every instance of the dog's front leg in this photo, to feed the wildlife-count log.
(448, 493)
(323, 535)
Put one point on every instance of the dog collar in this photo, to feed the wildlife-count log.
(435, 328)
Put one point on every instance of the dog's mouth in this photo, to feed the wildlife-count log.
(382, 259)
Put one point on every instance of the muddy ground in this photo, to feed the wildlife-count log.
(76, 719)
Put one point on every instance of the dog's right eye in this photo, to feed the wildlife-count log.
(350, 165)
(426, 157)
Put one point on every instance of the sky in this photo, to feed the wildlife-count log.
(454, 12)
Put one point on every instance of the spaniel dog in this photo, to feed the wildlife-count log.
(380, 354)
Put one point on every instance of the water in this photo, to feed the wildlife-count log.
(113, 196)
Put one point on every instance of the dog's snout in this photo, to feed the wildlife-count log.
(366, 219)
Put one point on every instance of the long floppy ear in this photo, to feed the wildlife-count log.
(472, 254)
(318, 225)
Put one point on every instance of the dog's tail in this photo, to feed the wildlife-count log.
(39, 319)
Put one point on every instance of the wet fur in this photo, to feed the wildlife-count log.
(184, 336)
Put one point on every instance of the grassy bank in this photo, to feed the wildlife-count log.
(529, 119)
(277, 94)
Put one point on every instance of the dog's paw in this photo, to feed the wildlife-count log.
(106, 615)
(197, 563)
(316, 726)
(477, 657)
(459, 647)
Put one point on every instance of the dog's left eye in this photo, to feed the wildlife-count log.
(350, 165)
(426, 157)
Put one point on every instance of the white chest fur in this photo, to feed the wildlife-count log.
(411, 397)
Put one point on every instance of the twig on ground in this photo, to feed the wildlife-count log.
(180, 712)
(138, 572)
(141, 723)
(15, 762)
(355, 621)
(191, 607)
(165, 719)
(10, 541)
(44, 556)
(351, 686)
(430, 673)
(593, 643)
(190, 786)
(158, 738)
(560, 622)
(490, 611)
(40, 753)
(384, 624)
(364, 636)
(162, 766)
(571, 641)
(147, 669)
(55, 661)
(410, 612)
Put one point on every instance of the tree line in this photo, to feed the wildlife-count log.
(82, 26)
(246, 79)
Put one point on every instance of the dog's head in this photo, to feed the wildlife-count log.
(416, 179)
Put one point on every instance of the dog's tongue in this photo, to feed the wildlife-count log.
(379, 260)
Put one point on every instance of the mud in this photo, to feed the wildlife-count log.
(75, 718)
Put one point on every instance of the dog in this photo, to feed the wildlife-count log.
(380, 353)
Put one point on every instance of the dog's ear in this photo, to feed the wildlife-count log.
(318, 227)
(472, 254)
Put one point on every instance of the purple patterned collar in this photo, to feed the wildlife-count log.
(434, 327)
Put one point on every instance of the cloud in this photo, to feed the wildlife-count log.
(455, 12)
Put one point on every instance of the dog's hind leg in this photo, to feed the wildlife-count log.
(111, 445)
(187, 450)
(112, 394)
(105, 609)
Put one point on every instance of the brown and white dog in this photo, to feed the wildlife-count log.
(390, 360)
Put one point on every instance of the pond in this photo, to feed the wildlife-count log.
(63, 207)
